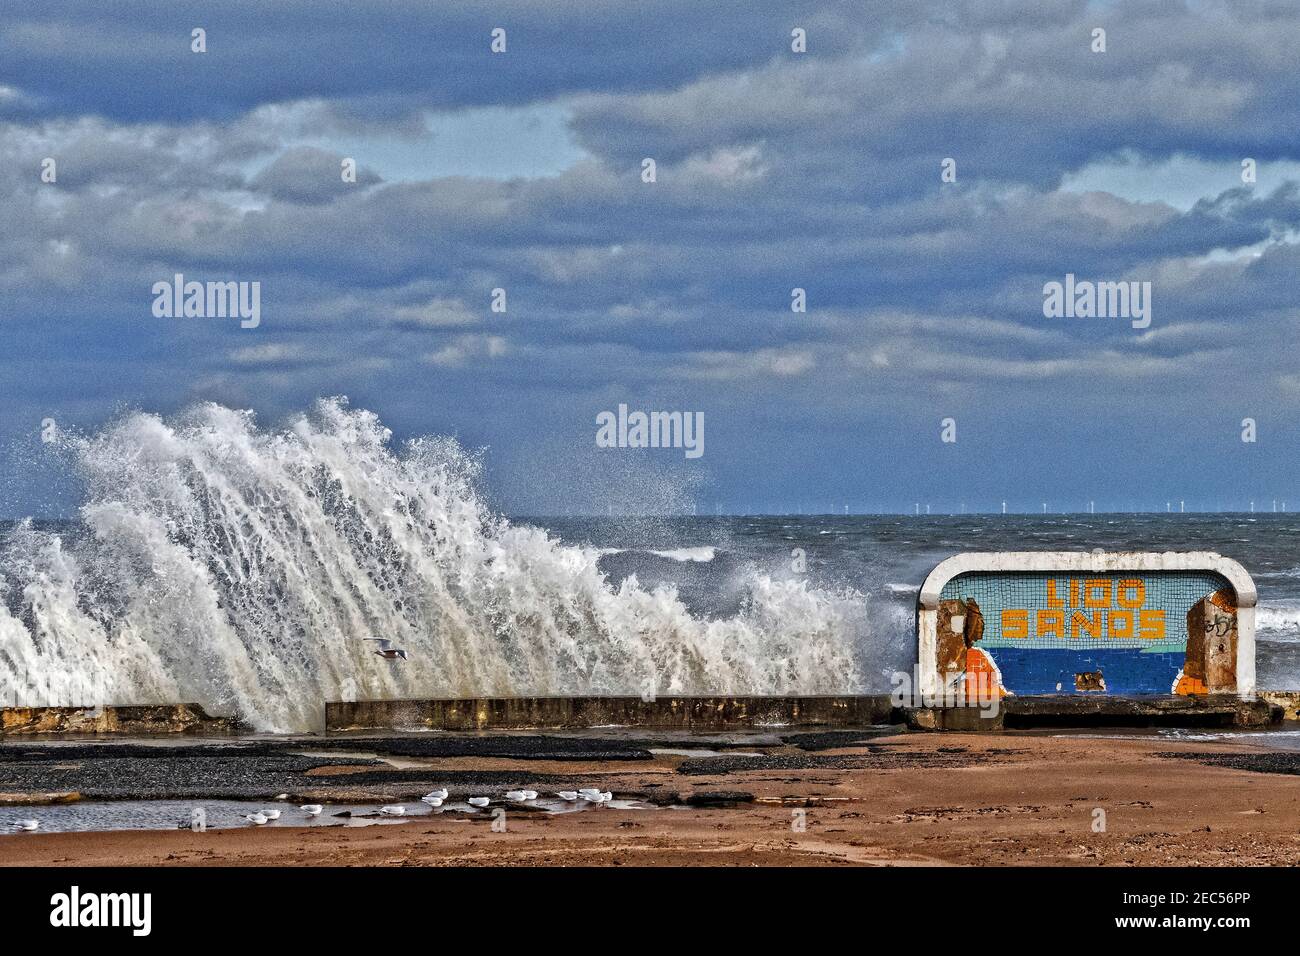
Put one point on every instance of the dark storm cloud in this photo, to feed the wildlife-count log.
(775, 171)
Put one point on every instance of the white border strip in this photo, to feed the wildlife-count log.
(927, 611)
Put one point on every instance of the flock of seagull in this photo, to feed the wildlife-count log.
(436, 798)
(385, 649)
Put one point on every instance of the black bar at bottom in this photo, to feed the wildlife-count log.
(609, 910)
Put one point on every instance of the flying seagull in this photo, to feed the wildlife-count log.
(387, 651)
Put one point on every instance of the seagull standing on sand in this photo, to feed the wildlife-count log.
(27, 825)
(386, 650)
(311, 809)
(432, 801)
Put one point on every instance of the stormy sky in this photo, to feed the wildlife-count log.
(775, 170)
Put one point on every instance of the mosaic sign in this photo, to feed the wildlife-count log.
(1068, 623)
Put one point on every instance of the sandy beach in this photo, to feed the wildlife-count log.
(904, 799)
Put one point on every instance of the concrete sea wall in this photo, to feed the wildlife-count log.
(126, 721)
(567, 713)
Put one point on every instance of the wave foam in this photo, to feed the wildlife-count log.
(242, 568)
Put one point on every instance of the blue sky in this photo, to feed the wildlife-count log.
(776, 170)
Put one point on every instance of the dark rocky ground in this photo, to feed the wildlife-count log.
(356, 767)
(222, 773)
(1285, 761)
(876, 758)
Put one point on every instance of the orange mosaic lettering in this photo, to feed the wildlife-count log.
(1015, 623)
(1139, 590)
(1080, 622)
(1051, 621)
(1096, 593)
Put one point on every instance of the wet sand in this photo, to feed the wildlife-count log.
(1009, 799)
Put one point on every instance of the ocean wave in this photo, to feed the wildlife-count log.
(243, 568)
(697, 555)
(1278, 621)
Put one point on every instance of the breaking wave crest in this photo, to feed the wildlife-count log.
(243, 568)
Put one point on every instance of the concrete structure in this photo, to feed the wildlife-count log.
(1018, 713)
(757, 713)
(674, 713)
(140, 720)
(570, 713)
(1127, 622)
(1288, 700)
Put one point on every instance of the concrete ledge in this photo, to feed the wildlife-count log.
(128, 721)
(953, 719)
(569, 713)
(1288, 700)
(1225, 710)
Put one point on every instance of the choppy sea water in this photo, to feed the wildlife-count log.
(245, 568)
(884, 559)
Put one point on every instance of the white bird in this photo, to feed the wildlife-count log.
(257, 819)
(606, 797)
(386, 650)
(479, 801)
(439, 794)
(516, 796)
(311, 809)
(272, 814)
(530, 794)
(395, 810)
(434, 802)
(591, 790)
(25, 824)
(569, 795)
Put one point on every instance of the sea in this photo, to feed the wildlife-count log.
(252, 569)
